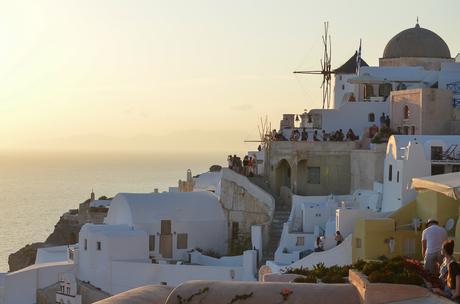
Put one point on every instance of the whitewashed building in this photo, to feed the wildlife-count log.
(410, 156)
(175, 222)
(314, 216)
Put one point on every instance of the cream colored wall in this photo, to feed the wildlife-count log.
(437, 111)
(400, 99)
(367, 167)
(426, 63)
(405, 214)
(430, 110)
(432, 204)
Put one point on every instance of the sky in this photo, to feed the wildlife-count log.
(190, 76)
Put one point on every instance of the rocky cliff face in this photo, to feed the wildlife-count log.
(65, 232)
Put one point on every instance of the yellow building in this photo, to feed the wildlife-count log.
(400, 233)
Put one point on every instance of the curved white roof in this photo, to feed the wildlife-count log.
(145, 208)
(208, 181)
(397, 143)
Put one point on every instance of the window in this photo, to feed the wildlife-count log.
(455, 168)
(385, 89)
(151, 243)
(412, 130)
(368, 91)
(340, 77)
(300, 241)
(390, 172)
(398, 130)
(358, 243)
(371, 117)
(397, 177)
(314, 175)
(235, 230)
(182, 241)
(165, 227)
(86, 244)
(406, 112)
(406, 130)
(436, 152)
(343, 87)
(68, 290)
(99, 245)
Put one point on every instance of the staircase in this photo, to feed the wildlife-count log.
(280, 216)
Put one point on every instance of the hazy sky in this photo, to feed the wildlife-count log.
(190, 75)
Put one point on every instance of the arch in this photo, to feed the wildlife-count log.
(406, 112)
(283, 175)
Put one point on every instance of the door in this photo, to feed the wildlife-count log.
(166, 239)
(166, 246)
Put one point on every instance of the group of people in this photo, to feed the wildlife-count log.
(437, 252)
(297, 135)
(319, 245)
(384, 120)
(247, 166)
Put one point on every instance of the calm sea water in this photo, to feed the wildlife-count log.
(36, 189)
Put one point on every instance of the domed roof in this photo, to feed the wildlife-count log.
(416, 42)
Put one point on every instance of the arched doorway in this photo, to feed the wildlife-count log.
(283, 175)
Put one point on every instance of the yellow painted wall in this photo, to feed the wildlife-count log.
(405, 214)
(426, 205)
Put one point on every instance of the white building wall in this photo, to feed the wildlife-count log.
(128, 275)
(20, 287)
(346, 218)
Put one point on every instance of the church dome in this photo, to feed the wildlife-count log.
(416, 42)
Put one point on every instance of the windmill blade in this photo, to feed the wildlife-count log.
(308, 72)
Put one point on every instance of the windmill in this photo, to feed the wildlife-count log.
(325, 67)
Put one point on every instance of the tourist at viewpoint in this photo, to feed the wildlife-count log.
(338, 238)
(450, 273)
(432, 238)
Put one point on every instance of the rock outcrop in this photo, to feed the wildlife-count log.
(65, 232)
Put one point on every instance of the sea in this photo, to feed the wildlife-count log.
(37, 188)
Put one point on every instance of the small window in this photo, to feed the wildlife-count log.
(390, 173)
(86, 244)
(406, 112)
(371, 117)
(68, 290)
(182, 241)
(397, 177)
(398, 130)
(151, 243)
(368, 91)
(343, 87)
(412, 130)
(358, 243)
(406, 130)
(314, 175)
(436, 152)
(99, 245)
(340, 77)
(300, 241)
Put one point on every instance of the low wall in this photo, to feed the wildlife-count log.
(20, 287)
(339, 255)
(128, 275)
(200, 259)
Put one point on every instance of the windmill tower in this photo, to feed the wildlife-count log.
(325, 67)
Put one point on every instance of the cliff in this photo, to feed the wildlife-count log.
(65, 232)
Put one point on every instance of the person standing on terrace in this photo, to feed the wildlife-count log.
(432, 238)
